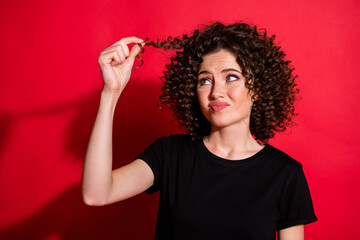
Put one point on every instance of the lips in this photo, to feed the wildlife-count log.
(218, 106)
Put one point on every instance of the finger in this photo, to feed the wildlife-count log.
(134, 51)
(129, 40)
(124, 42)
(120, 52)
(124, 48)
(111, 58)
(116, 59)
(112, 46)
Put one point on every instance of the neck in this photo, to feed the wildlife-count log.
(232, 142)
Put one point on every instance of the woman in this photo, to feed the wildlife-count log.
(231, 88)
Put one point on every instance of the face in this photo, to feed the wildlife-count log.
(223, 97)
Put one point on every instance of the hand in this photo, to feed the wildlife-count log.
(116, 62)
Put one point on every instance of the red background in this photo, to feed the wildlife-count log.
(50, 89)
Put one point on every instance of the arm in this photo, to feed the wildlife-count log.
(100, 184)
(292, 233)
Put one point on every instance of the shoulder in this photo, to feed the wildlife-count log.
(281, 159)
(179, 137)
(176, 139)
(171, 142)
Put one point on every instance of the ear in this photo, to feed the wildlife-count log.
(254, 97)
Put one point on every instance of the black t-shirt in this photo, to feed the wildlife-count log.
(203, 196)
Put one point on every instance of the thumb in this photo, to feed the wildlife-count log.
(133, 52)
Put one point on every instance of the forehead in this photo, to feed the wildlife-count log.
(219, 60)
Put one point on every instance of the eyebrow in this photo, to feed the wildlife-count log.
(224, 70)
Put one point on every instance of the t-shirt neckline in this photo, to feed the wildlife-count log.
(238, 161)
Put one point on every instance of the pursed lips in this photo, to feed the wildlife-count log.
(218, 106)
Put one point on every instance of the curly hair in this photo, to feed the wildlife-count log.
(268, 76)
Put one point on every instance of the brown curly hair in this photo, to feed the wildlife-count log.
(268, 75)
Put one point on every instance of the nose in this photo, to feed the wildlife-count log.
(217, 90)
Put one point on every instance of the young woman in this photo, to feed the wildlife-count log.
(232, 89)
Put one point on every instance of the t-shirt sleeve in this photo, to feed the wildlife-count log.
(296, 205)
(153, 155)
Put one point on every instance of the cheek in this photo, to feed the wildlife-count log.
(203, 102)
(241, 96)
(202, 97)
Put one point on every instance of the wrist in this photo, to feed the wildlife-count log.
(109, 99)
(110, 94)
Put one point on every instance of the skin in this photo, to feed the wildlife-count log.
(100, 184)
(219, 79)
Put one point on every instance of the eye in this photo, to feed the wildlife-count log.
(204, 81)
(231, 78)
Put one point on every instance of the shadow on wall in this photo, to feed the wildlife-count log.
(6, 123)
(67, 217)
(137, 123)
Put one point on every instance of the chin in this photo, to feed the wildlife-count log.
(223, 122)
(219, 124)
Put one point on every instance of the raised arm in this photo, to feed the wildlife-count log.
(100, 184)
